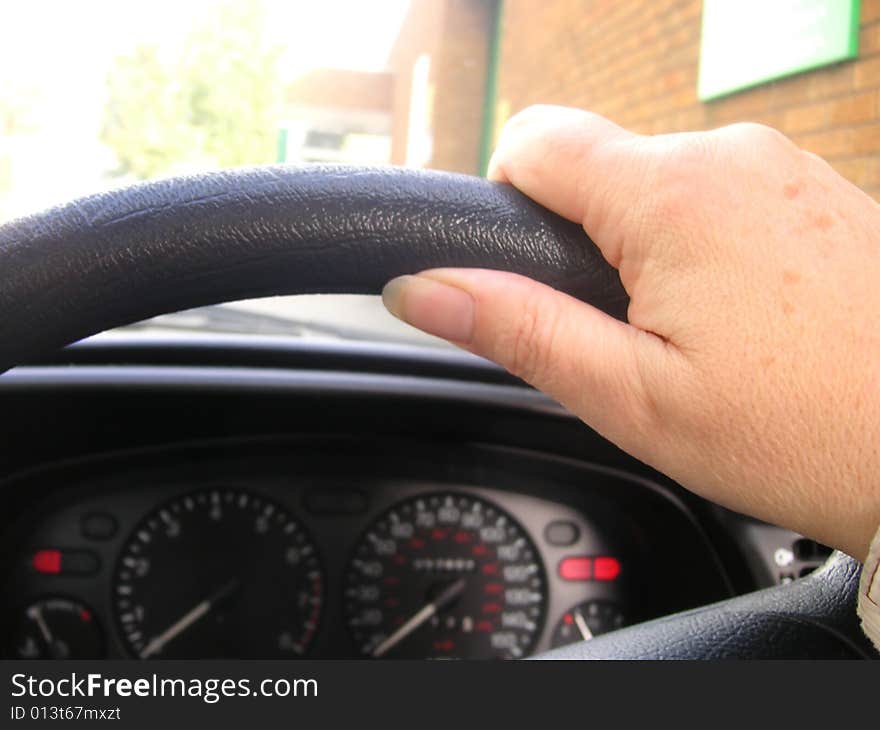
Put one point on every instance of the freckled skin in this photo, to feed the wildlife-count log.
(822, 221)
(749, 370)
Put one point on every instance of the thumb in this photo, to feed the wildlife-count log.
(596, 366)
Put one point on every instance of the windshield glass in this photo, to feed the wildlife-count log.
(103, 93)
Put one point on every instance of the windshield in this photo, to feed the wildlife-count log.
(104, 93)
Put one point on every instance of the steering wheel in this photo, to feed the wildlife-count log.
(126, 255)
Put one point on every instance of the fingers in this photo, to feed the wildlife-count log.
(580, 165)
(588, 361)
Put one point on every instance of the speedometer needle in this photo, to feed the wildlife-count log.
(155, 645)
(581, 623)
(420, 616)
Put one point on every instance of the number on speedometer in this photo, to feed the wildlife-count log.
(445, 576)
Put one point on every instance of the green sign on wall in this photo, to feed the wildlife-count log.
(748, 42)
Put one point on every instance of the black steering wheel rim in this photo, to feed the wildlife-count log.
(129, 254)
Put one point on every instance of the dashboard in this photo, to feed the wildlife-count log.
(368, 508)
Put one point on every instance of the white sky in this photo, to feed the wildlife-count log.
(338, 33)
(64, 48)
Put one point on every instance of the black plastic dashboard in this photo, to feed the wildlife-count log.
(243, 497)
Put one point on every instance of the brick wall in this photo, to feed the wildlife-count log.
(636, 61)
(461, 85)
(455, 35)
(419, 34)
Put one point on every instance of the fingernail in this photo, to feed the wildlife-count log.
(431, 306)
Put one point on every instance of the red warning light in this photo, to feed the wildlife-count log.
(462, 537)
(606, 568)
(47, 561)
(85, 615)
(576, 568)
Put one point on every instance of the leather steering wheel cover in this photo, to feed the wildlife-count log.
(153, 248)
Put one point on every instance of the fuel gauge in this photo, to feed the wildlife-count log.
(58, 628)
(586, 620)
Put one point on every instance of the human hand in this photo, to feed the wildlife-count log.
(749, 369)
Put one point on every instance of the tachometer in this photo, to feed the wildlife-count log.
(218, 573)
(446, 576)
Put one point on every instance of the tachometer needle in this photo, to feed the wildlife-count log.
(581, 623)
(420, 616)
(155, 645)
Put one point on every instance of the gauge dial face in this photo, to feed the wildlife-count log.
(58, 628)
(218, 573)
(586, 620)
(445, 576)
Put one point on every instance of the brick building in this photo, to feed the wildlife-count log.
(440, 64)
(635, 61)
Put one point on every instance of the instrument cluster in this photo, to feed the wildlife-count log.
(226, 572)
(244, 562)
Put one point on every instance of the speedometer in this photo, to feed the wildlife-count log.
(218, 573)
(446, 576)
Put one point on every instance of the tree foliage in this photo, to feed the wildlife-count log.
(214, 102)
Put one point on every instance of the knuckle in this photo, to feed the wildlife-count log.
(529, 341)
(751, 135)
(549, 116)
(526, 115)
